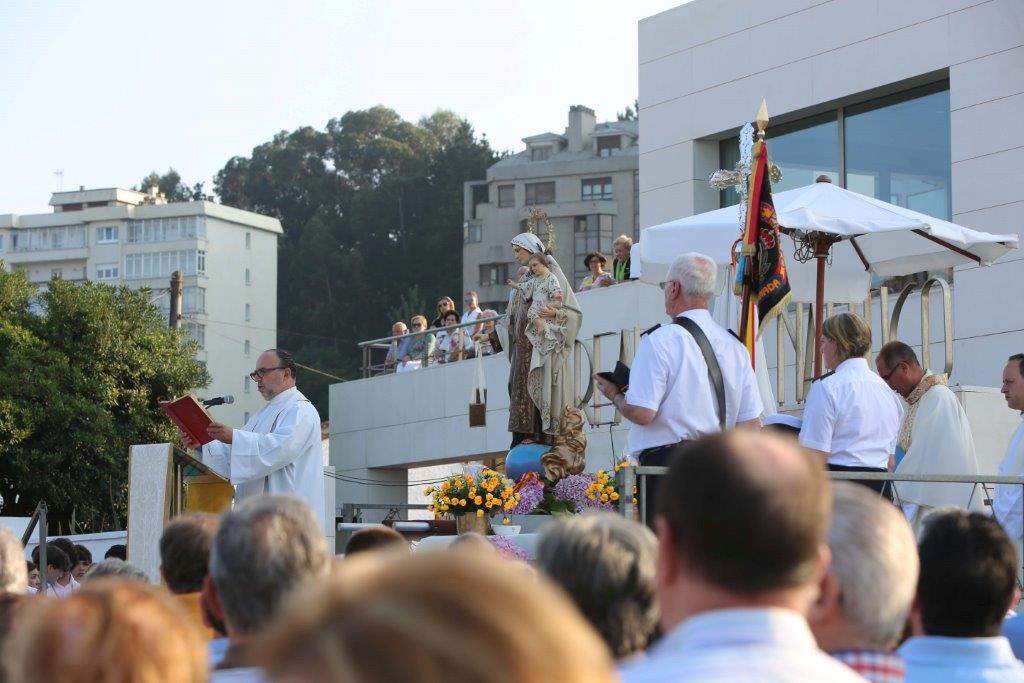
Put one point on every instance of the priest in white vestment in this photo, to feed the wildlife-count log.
(278, 450)
(1007, 505)
(934, 436)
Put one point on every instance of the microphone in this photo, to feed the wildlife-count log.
(219, 401)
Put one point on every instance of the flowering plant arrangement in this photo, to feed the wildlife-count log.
(572, 493)
(485, 493)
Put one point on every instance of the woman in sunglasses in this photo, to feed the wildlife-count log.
(416, 349)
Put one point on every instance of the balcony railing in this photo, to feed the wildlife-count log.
(371, 368)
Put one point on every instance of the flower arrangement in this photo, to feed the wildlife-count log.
(572, 493)
(486, 493)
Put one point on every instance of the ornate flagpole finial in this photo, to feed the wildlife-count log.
(762, 117)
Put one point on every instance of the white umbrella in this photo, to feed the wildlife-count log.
(856, 234)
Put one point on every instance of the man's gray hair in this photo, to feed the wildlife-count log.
(13, 570)
(115, 568)
(874, 559)
(266, 548)
(607, 566)
(695, 273)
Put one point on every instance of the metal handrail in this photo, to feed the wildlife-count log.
(630, 478)
(432, 330)
(38, 519)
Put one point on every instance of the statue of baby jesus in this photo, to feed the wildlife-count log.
(543, 291)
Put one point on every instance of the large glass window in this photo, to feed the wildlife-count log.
(608, 144)
(166, 229)
(898, 150)
(540, 193)
(162, 263)
(894, 148)
(493, 274)
(506, 196)
(596, 188)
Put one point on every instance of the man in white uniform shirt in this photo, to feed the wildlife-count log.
(670, 398)
(278, 450)
(1007, 504)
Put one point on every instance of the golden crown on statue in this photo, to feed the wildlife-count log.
(538, 214)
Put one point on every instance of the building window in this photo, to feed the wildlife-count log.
(540, 153)
(248, 240)
(248, 313)
(597, 188)
(896, 148)
(590, 233)
(106, 234)
(246, 384)
(196, 332)
(160, 264)
(472, 232)
(540, 193)
(493, 274)
(506, 196)
(106, 271)
(248, 277)
(41, 239)
(166, 229)
(1, 242)
(247, 348)
(608, 144)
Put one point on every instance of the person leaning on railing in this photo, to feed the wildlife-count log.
(395, 347)
(417, 349)
(452, 345)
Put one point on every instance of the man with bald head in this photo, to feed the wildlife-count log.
(278, 450)
(742, 551)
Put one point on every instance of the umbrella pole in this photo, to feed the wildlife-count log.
(821, 249)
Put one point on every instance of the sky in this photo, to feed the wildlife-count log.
(108, 91)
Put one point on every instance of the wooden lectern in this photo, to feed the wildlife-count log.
(164, 482)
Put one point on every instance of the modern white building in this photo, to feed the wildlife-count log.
(228, 258)
(915, 103)
(584, 179)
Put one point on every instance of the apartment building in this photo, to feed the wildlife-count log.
(228, 258)
(585, 179)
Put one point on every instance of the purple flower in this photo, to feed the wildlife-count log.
(573, 489)
(530, 497)
(508, 547)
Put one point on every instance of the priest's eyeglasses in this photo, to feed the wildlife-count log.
(889, 374)
(260, 373)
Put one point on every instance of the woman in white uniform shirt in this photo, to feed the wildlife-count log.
(852, 417)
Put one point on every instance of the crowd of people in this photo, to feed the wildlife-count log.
(792, 578)
(448, 338)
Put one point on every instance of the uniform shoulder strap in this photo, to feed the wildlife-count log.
(714, 369)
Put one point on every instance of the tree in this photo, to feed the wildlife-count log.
(631, 113)
(84, 366)
(372, 214)
(171, 186)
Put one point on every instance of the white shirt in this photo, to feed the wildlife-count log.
(469, 316)
(277, 451)
(937, 659)
(853, 415)
(60, 591)
(669, 375)
(1006, 505)
(739, 645)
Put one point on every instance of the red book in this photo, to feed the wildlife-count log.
(190, 416)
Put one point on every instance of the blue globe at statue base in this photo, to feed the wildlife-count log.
(525, 458)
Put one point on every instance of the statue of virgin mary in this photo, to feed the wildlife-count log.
(540, 387)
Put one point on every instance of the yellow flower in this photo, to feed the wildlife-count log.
(427, 491)
(479, 513)
(613, 495)
(604, 497)
(478, 500)
(506, 520)
(462, 502)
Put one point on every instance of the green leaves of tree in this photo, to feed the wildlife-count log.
(84, 366)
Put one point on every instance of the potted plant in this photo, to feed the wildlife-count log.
(472, 499)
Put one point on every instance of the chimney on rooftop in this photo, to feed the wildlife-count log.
(81, 188)
(581, 125)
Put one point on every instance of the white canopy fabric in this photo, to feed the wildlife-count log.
(883, 232)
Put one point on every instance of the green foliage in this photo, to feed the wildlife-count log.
(372, 215)
(172, 187)
(631, 113)
(84, 366)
